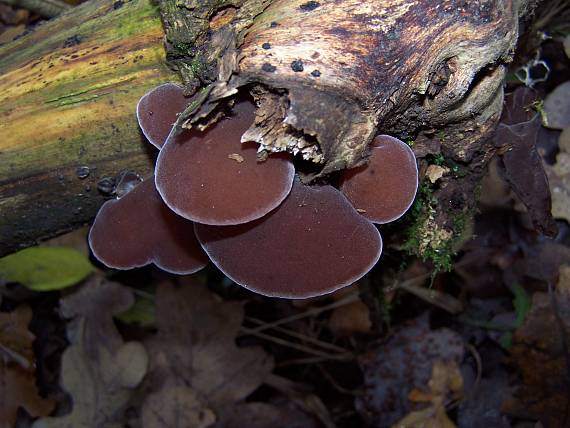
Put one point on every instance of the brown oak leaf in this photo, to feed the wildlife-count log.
(17, 381)
(197, 371)
(99, 370)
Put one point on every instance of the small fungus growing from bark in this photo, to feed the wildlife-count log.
(313, 244)
(198, 179)
(268, 67)
(157, 111)
(383, 189)
(139, 229)
(297, 66)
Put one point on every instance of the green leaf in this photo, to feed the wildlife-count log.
(45, 268)
(521, 303)
(506, 340)
(142, 312)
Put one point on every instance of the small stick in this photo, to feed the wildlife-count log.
(18, 358)
(303, 348)
(301, 336)
(350, 298)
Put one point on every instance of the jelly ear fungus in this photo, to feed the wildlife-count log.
(138, 229)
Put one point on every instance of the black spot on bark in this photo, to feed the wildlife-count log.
(297, 66)
(72, 41)
(106, 185)
(268, 68)
(316, 73)
(118, 4)
(274, 24)
(309, 6)
(266, 45)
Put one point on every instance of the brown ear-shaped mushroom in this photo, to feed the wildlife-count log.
(212, 178)
(139, 229)
(385, 188)
(157, 111)
(313, 244)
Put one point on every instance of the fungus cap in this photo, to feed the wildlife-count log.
(157, 111)
(212, 178)
(313, 244)
(385, 188)
(138, 229)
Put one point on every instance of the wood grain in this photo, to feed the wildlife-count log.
(68, 93)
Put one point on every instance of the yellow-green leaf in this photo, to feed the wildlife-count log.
(142, 312)
(45, 268)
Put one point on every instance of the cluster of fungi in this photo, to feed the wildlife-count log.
(215, 198)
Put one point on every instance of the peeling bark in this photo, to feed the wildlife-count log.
(349, 69)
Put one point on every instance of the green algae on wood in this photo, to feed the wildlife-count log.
(68, 93)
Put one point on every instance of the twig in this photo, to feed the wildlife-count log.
(16, 357)
(45, 8)
(306, 338)
(554, 10)
(301, 361)
(434, 297)
(305, 401)
(350, 298)
(336, 385)
(487, 325)
(478, 363)
(303, 348)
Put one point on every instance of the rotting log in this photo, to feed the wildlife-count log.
(327, 75)
(67, 109)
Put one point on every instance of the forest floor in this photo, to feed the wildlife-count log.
(485, 344)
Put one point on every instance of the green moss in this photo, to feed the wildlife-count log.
(538, 106)
(439, 159)
(426, 238)
(141, 18)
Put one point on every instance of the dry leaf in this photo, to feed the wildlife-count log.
(446, 384)
(17, 382)
(559, 179)
(435, 172)
(15, 338)
(350, 319)
(432, 417)
(99, 370)
(516, 138)
(540, 352)
(176, 406)
(405, 362)
(194, 357)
